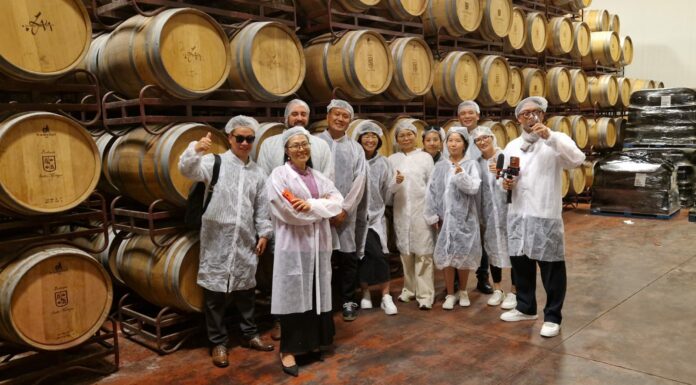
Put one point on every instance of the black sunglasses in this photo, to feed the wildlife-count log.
(241, 138)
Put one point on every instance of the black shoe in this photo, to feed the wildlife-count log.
(484, 287)
(291, 370)
(350, 311)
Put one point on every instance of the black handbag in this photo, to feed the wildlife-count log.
(199, 198)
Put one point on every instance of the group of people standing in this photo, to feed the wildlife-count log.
(322, 198)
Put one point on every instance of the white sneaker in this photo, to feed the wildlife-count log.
(450, 300)
(550, 329)
(388, 305)
(496, 298)
(515, 315)
(366, 303)
(405, 297)
(463, 298)
(510, 301)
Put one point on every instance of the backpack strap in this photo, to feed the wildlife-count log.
(213, 181)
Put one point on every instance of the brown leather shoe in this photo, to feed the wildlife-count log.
(219, 354)
(275, 332)
(256, 344)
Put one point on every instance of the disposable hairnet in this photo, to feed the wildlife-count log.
(437, 129)
(483, 131)
(367, 126)
(292, 104)
(338, 103)
(461, 131)
(289, 133)
(537, 101)
(241, 121)
(404, 125)
(468, 104)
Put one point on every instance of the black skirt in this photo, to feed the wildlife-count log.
(374, 267)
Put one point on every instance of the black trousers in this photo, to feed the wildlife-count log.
(553, 277)
(497, 275)
(482, 271)
(215, 306)
(347, 274)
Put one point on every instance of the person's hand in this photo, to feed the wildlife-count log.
(457, 169)
(436, 226)
(399, 177)
(509, 184)
(261, 246)
(492, 167)
(541, 130)
(301, 205)
(205, 143)
(338, 220)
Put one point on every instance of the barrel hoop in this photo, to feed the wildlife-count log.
(325, 66)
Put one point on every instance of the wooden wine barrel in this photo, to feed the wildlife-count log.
(588, 169)
(182, 50)
(565, 183)
(268, 59)
(457, 78)
(626, 57)
(534, 82)
(265, 131)
(91, 61)
(497, 19)
(495, 80)
(318, 126)
(579, 86)
(387, 146)
(558, 85)
(107, 258)
(602, 133)
(515, 87)
(104, 143)
(48, 163)
(360, 64)
(604, 91)
(581, 40)
(578, 130)
(52, 297)
(404, 10)
(455, 17)
(624, 90)
(145, 167)
(498, 130)
(164, 276)
(320, 6)
(614, 23)
(450, 123)
(576, 181)
(559, 39)
(605, 48)
(578, 5)
(43, 39)
(641, 84)
(536, 34)
(559, 124)
(512, 130)
(414, 68)
(391, 129)
(659, 84)
(597, 19)
(517, 36)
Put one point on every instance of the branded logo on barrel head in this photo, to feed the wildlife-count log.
(36, 25)
(61, 298)
(48, 163)
(192, 55)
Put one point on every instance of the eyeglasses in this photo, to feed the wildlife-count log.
(480, 139)
(300, 146)
(241, 138)
(529, 113)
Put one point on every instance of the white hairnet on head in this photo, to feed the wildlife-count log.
(405, 125)
(297, 130)
(339, 103)
(462, 131)
(291, 104)
(367, 126)
(468, 104)
(537, 101)
(437, 129)
(484, 131)
(241, 121)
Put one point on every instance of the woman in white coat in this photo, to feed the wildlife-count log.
(302, 201)
(414, 237)
(451, 207)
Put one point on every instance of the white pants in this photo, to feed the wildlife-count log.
(419, 278)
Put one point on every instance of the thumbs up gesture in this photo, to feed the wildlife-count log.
(399, 177)
(457, 168)
(205, 143)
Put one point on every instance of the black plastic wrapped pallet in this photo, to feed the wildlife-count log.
(636, 182)
(664, 117)
(684, 159)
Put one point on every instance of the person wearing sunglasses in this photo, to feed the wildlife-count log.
(234, 232)
(350, 226)
(535, 224)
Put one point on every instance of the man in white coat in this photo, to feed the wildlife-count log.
(230, 228)
(350, 170)
(535, 224)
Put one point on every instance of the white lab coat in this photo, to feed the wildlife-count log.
(380, 177)
(451, 198)
(303, 242)
(236, 215)
(493, 215)
(535, 225)
(272, 152)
